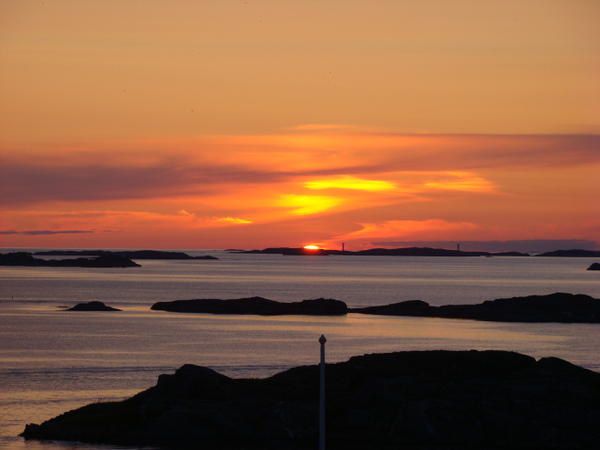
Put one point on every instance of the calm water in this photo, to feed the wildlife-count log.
(52, 360)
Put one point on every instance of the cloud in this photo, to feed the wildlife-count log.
(459, 181)
(309, 184)
(44, 232)
(234, 220)
(342, 158)
(102, 182)
(403, 228)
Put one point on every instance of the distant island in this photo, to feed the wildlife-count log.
(92, 306)
(594, 266)
(409, 251)
(557, 307)
(132, 254)
(255, 305)
(28, 260)
(444, 400)
(575, 253)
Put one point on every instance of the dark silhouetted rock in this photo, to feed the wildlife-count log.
(409, 251)
(286, 251)
(92, 306)
(27, 259)
(576, 253)
(255, 305)
(510, 254)
(594, 266)
(131, 254)
(410, 400)
(558, 307)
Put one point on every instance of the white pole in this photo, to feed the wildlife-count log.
(322, 341)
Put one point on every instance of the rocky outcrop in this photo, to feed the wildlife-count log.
(92, 306)
(558, 307)
(131, 254)
(594, 266)
(27, 259)
(509, 254)
(414, 400)
(255, 305)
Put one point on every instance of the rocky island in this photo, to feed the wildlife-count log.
(575, 253)
(131, 254)
(594, 266)
(557, 307)
(92, 306)
(28, 260)
(416, 400)
(409, 251)
(255, 305)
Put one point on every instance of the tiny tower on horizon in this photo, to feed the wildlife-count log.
(343, 246)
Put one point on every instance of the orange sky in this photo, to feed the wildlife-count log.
(186, 124)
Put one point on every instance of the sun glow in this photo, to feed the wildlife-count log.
(304, 205)
(312, 247)
(352, 183)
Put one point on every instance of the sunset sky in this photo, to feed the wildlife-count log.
(199, 124)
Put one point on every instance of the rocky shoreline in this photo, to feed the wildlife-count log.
(426, 400)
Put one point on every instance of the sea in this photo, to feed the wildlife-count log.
(52, 360)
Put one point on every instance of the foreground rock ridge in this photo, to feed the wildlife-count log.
(424, 400)
(557, 307)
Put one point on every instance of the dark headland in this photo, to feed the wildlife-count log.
(409, 251)
(92, 306)
(256, 305)
(557, 307)
(132, 254)
(415, 400)
(576, 253)
(594, 266)
(28, 260)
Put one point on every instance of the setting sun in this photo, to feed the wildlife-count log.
(312, 247)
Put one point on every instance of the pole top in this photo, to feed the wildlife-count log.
(322, 339)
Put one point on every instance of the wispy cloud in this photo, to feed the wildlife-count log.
(359, 182)
(44, 232)
(234, 220)
(370, 232)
